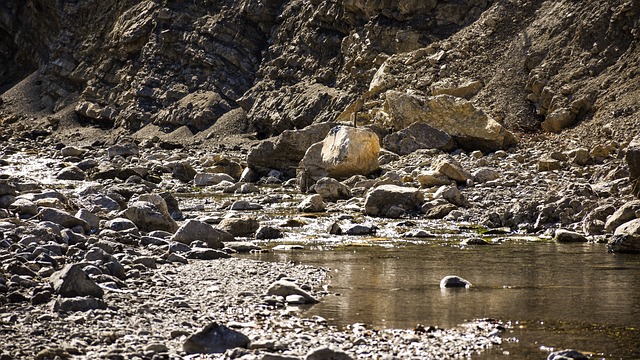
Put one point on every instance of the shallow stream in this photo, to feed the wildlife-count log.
(549, 295)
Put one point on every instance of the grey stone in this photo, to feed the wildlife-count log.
(62, 218)
(72, 281)
(198, 230)
(71, 173)
(331, 189)
(327, 353)
(312, 203)
(566, 236)
(268, 232)
(418, 135)
(382, 198)
(285, 288)
(452, 195)
(124, 150)
(242, 227)
(215, 338)
(149, 217)
(567, 355)
(78, 304)
(206, 254)
(184, 172)
(625, 213)
(632, 158)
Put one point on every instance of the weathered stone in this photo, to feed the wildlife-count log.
(453, 281)
(184, 172)
(120, 224)
(312, 203)
(331, 189)
(447, 166)
(566, 236)
(71, 173)
(285, 152)
(327, 353)
(197, 230)
(632, 158)
(567, 355)
(348, 151)
(472, 128)
(242, 227)
(311, 167)
(559, 119)
(382, 198)
(62, 218)
(549, 165)
(433, 178)
(452, 195)
(483, 175)
(625, 213)
(418, 135)
(214, 338)
(149, 217)
(85, 303)
(579, 156)
(72, 281)
(206, 254)
(463, 88)
(285, 288)
(361, 230)
(124, 150)
(268, 232)
(594, 222)
(208, 179)
(71, 151)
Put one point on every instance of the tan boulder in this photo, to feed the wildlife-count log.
(471, 127)
(348, 151)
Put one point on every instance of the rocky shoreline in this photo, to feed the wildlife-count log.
(128, 250)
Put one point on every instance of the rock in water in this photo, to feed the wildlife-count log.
(285, 288)
(453, 281)
(72, 281)
(566, 236)
(567, 355)
(215, 338)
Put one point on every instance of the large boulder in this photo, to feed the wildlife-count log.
(285, 152)
(418, 135)
(471, 127)
(348, 151)
(193, 230)
(383, 200)
(626, 238)
(331, 189)
(633, 160)
(625, 213)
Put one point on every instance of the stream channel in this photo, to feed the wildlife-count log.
(549, 295)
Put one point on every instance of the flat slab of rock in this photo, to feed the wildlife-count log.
(566, 236)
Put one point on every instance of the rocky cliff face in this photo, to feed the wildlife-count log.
(284, 64)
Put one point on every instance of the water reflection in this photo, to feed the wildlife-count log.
(533, 283)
